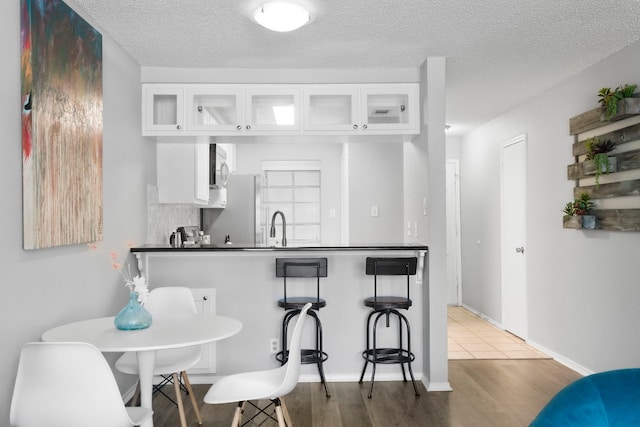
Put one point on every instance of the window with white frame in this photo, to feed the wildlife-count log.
(292, 187)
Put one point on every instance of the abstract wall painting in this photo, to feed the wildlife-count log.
(61, 65)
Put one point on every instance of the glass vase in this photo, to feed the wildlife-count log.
(133, 316)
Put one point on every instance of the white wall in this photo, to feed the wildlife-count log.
(583, 286)
(375, 179)
(454, 143)
(48, 287)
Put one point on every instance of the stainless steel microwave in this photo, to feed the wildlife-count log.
(218, 168)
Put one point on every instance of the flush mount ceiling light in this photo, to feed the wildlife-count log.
(281, 16)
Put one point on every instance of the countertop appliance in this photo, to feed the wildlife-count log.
(189, 234)
(218, 168)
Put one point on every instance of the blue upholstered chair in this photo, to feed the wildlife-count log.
(605, 399)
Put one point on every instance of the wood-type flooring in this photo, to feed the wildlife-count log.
(491, 393)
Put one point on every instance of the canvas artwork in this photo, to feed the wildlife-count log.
(61, 65)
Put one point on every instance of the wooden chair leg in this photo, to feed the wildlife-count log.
(176, 386)
(285, 412)
(281, 422)
(194, 403)
(237, 416)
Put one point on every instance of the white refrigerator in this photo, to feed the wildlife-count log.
(241, 219)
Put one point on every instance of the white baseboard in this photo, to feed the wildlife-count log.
(436, 386)
(561, 359)
(484, 317)
(315, 378)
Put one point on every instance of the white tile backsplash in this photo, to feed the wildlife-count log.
(163, 219)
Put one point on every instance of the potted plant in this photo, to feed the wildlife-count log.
(597, 150)
(577, 214)
(610, 99)
(570, 219)
(583, 206)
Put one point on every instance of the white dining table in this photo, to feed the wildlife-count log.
(164, 333)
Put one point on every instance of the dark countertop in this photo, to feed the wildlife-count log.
(253, 247)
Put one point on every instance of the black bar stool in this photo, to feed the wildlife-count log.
(303, 268)
(387, 306)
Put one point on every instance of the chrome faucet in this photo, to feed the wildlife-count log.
(272, 232)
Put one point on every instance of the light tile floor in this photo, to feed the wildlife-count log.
(471, 337)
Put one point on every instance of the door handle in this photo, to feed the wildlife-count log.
(520, 250)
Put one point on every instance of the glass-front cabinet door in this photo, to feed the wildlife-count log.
(163, 109)
(272, 109)
(390, 107)
(214, 110)
(331, 108)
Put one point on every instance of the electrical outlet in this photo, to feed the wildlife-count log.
(274, 345)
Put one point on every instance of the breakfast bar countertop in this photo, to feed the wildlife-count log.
(294, 247)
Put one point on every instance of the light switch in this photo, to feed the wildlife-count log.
(332, 213)
(374, 210)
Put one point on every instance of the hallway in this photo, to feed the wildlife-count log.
(471, 337)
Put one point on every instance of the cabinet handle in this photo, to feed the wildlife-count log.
(205, 298)
(355, 126)
(364, 126)
(248, 127)
(238, 127)
(178, 127)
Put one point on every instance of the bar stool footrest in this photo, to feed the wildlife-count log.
(388, 355)
(308, 356)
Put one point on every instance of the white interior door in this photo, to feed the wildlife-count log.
(454, 291)
(513, 220)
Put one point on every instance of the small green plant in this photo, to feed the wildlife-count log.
(597, 150)
(609, 99)
(569, 209)
(583, 204)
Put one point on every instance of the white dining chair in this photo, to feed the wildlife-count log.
(170, 364)
(271, 384)
(68, 384)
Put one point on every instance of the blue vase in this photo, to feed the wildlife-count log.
(133, 316)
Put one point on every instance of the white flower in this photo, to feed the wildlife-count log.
(140, 286)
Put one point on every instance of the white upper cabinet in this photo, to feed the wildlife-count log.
(272, 109)
(183, 173)
(371, 108)
(390, 108)
(213, 110)
(280, 109)
(162, 109)
(331, 108)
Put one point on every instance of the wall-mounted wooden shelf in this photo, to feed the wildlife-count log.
(608, 219)
(618, 219)
(595, 118)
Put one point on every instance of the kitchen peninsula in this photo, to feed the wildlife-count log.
(247, 288)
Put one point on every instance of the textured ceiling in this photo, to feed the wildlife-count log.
(500, 53)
